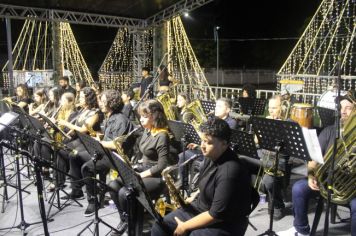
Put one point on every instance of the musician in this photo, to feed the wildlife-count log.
(53, 105)
(305, 189)
(145, 81)
(126, 97)
(79, 85)
(64, 86)
(22, 97)
(115, 125)
(182, 112)
(248, 91)
(157, 155)
(165, 79)
(40, 100)
(220, 208)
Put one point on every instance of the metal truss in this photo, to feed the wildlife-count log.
(23, 13)
(178, 8)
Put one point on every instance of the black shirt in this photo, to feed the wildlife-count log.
(144, 84)
(116, 125)
(231, 122)
(69, 89)
(326, 138)
(155, 151)
(127, 111)
(225, 189)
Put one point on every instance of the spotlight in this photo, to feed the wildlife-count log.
(186, 14)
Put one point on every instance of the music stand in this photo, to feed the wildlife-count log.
(208, 106)
(184, 130)
(243, 143)
(279, 136)
(97, 151)
(133, 182)
(252, 106)
(327, 116)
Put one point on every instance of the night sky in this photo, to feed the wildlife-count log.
(253, 34)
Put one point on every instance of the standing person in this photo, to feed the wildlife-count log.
(65, 87)
(305, 189)
(165, 79)
(157, 155)
(146, 80)
(220, 208)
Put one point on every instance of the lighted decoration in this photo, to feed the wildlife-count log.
(326, 45)
(32, 55)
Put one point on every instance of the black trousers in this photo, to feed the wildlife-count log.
(236, 228)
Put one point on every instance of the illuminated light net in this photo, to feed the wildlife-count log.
(117, 70)
(32, 54)
(327, 42)
(184, 65)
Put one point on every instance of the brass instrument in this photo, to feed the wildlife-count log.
(165, 100)
(118, 144)
(91, 131)
(199, 116)
(175, 196)
(343, 189)
(285, 109)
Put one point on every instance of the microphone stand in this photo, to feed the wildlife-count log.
(149, 88)
(337, 136)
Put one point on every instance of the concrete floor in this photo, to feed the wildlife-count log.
(70, 221)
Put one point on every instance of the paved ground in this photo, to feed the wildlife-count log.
(70, 220)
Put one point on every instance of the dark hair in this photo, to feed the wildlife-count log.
(185, 96)
(146, 69)
(82, 83)
(130, 93)
(42, 94)
(164, 72)
(90, 97)
(56, 95)
(250, 89)
(227, 102)
(66, 78)
(217, 128)
(113, 98)
(154, 108)
(24, 89)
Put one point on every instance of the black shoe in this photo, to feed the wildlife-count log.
(74, 195)
(278, 214)
(90, 210)
(121, 228)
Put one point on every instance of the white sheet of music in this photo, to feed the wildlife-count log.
(313, 145)
(6, 119)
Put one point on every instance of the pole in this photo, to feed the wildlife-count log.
(217, 55)
(9, 54)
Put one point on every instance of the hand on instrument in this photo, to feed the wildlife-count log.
(180, 230)
(192, 146)
(313, 183)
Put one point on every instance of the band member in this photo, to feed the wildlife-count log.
(146, 80)
(165, 79)
(183, 113)
(53, 105)
(220, 208)
(155, 148)
(305, 189)
(248, 91)
(64, 86)
(79, 85)
(22, 97)
(40, 100)
(115, 125)
(127, 108)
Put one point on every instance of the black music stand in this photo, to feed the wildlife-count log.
(184, 133)
(243, 143)
(55, 198)
(279, 136)
(327, 116)
(208, 106)
(252, 106)
(97, 151)
(133, 182)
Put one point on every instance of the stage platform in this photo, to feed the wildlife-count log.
(70, 221)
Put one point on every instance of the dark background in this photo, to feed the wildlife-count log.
(253, 34)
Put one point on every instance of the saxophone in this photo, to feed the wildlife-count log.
(118, 144)
(343, 189)
(175, 196)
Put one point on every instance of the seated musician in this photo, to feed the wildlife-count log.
(182, 112)
(115, 125)
(22, 98)
(39, 102)
(53, 102)
(305, 189)
(222, 110)
(65, 86)
(157, 155)
(248, 91)
(126, 97)
(220, 208)
(79, 85)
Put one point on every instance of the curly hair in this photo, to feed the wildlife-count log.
(113, 98)
(90, 97)
(154, 108)
(217, 128)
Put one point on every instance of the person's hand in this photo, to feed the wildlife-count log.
(192, 146)
(180, 230)
(313, 183)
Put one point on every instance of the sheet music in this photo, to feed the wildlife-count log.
(313, 145)
(6, 119)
